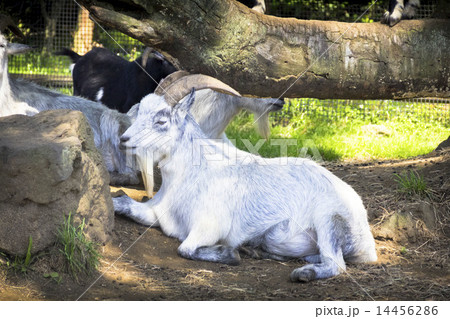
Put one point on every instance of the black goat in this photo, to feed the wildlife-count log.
(104, 77)
(400, 9)
(257, 5)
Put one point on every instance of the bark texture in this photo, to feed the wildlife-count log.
(268, 56)
(51, 19)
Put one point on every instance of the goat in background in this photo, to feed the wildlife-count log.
(104, 77)
(27, 98)
(22, 97)
(212, 110)
(398, 10)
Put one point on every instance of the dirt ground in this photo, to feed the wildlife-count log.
(412, 237)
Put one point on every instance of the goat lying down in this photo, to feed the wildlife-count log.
(217, 110)
(27, 98)
(285, 207)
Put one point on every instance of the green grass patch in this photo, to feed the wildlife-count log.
(20, 264)
(36, 63)
(412, 183)
(80, 253)
(343, 131)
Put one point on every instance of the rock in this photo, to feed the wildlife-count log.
(444, 145)
(416, 220)
(50, 167)
(399, 227)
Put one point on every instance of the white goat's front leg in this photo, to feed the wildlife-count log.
(142, 213)
(201, 244)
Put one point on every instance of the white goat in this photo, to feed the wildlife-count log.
(298, 209)
(212, 110)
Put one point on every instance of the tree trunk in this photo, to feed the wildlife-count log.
(268, 56)
(82, 40)
(50, 18)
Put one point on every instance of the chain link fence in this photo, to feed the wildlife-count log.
(50, 25)
(425, 109)
(344, 11)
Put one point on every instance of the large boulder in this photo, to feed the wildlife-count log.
(50, 167)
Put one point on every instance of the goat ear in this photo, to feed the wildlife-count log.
(184, 107)
(16, 48)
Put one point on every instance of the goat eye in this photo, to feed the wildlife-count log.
(161, 122)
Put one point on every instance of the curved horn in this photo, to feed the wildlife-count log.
(7, 22)
(183, 86)
(145, 55)
(168, 81)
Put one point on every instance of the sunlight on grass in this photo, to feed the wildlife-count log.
(352, 135)
(33, 63)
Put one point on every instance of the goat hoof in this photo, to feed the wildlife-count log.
(231, 256)
(385, 18)
(122, 205)
(303, 275)
(251, 252)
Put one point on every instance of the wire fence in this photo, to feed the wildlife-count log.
(424, 109)
(342, 11)
(50, 25)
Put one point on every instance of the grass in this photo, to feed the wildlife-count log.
(20, 264)
(80, 253)
(35, 63)
(412, 183)
(356, 132)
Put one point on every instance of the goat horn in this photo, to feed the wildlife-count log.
(183, 86)
(168, 81)
(7, 22)
(145, 55)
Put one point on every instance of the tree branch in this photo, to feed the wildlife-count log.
(269, 56)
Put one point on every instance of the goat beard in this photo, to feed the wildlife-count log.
(147, 161)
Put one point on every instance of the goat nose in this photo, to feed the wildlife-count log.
(124, 139)
(278, 105)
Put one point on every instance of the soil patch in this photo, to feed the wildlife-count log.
(142, 264)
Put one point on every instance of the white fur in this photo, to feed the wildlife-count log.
(400, 9)
(22, 97)
(216, 206)
(99, 95)
(212, 111)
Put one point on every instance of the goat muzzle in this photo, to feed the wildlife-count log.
(123, 140)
